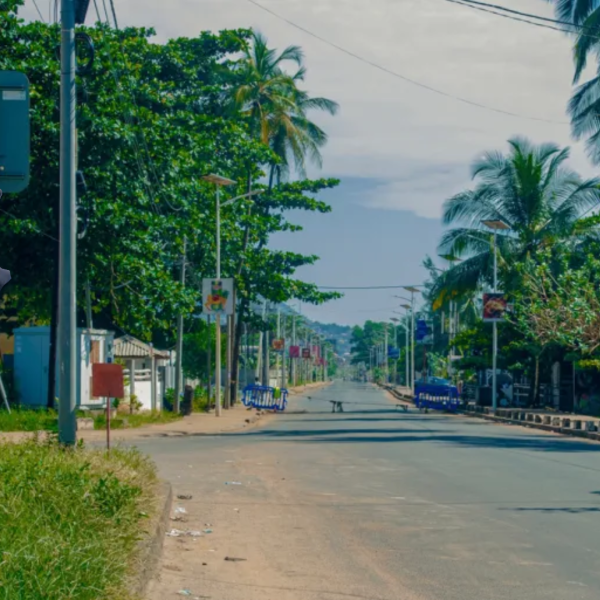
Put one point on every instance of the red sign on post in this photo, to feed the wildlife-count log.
(294, 351)
(107, 381)
(305, 352)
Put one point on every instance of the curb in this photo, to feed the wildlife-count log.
(150, 548)
(561, 425)
(573, 431)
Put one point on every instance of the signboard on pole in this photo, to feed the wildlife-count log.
(107, 381)
(217, 296)
(494, 307)
(422, 330)
(294, 351)
(278, 344)
(305, 352)
(15, 131)
(393, 352)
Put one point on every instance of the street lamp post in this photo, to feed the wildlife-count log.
(220, 181)
(495, 226)
(413, 290)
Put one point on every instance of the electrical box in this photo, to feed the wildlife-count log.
(14, 131)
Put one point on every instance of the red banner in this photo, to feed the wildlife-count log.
(316, 350)
(294, 351)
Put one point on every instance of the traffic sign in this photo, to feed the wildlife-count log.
(14, 131)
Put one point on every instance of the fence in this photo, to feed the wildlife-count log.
(259, 396)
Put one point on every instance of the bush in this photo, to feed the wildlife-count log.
(22, 419)
(73, 519)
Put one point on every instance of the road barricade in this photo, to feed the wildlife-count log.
(265, 397)
(437, 397)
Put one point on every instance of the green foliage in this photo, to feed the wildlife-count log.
(364, 338)
(156, 116)
(22, 419)
(75, 520)
(559, 302)
(534, 193)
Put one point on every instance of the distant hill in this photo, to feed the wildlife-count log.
(338, 335)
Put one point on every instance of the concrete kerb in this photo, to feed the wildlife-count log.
(554, 424)
(150, 548)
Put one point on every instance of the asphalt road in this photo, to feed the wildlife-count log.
(378, 504)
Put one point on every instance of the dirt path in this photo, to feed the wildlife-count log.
(289, 541)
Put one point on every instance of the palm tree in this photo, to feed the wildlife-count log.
(276, 108)
(584, 106)
(532, 191)
(277, 111)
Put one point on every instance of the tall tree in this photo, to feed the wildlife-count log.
(584, 105)
(275, 107)
(533, 192)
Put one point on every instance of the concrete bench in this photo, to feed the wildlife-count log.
(337, 406)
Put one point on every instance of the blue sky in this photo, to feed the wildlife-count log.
(400, 150)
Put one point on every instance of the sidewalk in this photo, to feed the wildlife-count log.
(566, 424)
(236, 418)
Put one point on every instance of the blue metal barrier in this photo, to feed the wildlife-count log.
(437, 397)
(260, 396)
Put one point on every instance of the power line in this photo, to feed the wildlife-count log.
(509, 14)
(39, 12)
(370, 287)
(404, 77)
(530, 15)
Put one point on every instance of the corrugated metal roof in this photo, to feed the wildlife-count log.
(130, 347)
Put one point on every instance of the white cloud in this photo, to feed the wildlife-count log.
(386, 123)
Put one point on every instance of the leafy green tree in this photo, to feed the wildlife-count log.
(364, 339)
(154, 117)
(533, 192)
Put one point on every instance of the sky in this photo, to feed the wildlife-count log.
(399, 150)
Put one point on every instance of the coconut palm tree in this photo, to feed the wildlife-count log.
(276, 108)
(533, 192)
(584, 106)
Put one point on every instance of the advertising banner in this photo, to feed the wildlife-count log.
(294, 351)
(278, 344)
(217, 296)
(494, 307)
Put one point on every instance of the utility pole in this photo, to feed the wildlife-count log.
(67, 324)
(266, 365)
(385, 353)
(293, 360)
(228, 353)
(277, 358)
(208, 359)
(283, 365)
(179, 351)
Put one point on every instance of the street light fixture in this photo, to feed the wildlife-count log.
(495, 225)
(413, 290)
(218, 181)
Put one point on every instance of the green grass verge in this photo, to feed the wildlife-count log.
(71, 520)
(137, 420)
(28, 420)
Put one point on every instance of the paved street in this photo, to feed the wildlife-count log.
(377, 504)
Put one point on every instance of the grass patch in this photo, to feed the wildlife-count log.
(154, 417)
(71, 520)
(21, 419)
